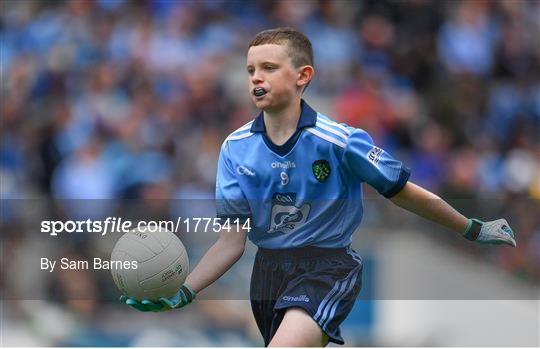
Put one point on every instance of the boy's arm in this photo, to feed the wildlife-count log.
(428, 205)
(219, 258)
(230, 202)
(390, 178)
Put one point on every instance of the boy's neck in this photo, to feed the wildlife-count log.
(281, 124)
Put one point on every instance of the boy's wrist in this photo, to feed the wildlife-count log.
(473, 229)
(469, 224)
(189, 292)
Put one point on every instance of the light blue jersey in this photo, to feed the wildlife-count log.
(308, 191)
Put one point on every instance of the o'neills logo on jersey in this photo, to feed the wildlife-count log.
(286, 164)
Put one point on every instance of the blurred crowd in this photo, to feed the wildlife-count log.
(132, 99)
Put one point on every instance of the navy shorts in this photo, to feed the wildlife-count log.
(323, 281)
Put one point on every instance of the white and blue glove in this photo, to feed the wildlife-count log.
(183, 297)
(495, 232)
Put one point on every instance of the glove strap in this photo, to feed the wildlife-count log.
(188, 292)
(473, 230)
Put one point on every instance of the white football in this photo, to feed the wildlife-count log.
(161, 263)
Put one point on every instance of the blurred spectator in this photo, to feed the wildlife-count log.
(468, 39)
(83, 176)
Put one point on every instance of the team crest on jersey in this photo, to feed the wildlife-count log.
(321, 170)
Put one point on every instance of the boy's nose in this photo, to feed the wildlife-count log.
(256, 79)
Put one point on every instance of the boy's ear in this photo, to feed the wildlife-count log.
(305, 74)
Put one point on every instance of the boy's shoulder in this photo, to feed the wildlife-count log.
(242, 132)
(330, 130)
(345, 131)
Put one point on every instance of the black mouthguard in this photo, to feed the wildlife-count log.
(259, 91)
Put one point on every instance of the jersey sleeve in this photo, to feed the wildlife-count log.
(230, 200)
(373, 165)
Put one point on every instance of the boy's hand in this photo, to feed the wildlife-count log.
(182, 298)
(494, 232)
(144, 305)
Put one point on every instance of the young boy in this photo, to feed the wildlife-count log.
(296, 175)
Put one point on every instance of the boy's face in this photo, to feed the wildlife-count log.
(270, 68)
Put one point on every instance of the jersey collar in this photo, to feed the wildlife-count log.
(308, 118)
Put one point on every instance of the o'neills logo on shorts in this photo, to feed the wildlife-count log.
(300, 298)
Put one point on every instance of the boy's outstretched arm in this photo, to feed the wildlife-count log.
(216, 261)
(428, 205)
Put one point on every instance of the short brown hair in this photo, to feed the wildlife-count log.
(300, 49)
